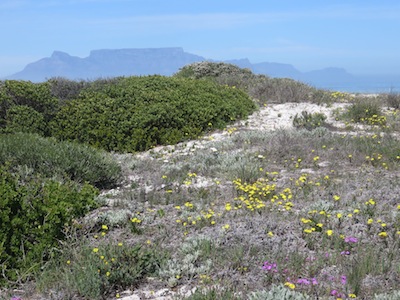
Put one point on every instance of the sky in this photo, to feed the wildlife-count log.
(360, 36)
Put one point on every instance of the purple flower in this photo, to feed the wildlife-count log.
(345, 253)
(334, 292)
(314, 281)
(270, 267)
(350, 239)
(303, 281)
(343, 279)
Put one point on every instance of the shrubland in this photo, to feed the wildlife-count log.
(311, 211)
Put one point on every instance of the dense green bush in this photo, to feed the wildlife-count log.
(22, 118)
(66, 160)
(18, 99)
(137, 113)
(33, 215)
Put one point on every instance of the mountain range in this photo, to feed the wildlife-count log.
(163, 61)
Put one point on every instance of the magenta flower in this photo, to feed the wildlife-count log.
(271, 267)
(343, 279)
(314, 281)
(345, 253)
(350, 239)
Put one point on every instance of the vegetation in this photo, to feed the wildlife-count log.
(135, 114)
(31, 154)
(247, 211)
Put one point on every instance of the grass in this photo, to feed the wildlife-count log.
(284, 214)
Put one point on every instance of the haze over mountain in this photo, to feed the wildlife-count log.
(164, 61)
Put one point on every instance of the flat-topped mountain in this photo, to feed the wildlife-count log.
(162, 61)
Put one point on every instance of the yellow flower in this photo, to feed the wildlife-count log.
(103, 233)
(226, 227)
(104, 227)
(177, 207)
(117, 295)
(68, 262)
(120, 244)
(329, 232)
(108, 274)
(290, 285)
(270, 233)
(352, 296)
(228, 206)
(356, 211)
(319, 225)
(95, 250)
(383, 234)
(370, 221)
(339, 215)
(336, 197)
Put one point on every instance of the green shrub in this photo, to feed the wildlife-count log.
(95, 272)
(137, 113)
(31, 104)
(263, 88)
(33, 215)
(393, 100)
(51, 158)
(35, 95)
(364, 110)
(308, 120)
(22, 118)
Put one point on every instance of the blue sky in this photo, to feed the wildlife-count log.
(360, 36)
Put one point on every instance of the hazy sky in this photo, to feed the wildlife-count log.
(359, 35)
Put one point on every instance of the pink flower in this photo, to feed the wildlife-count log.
(343, 279)
(350, 239)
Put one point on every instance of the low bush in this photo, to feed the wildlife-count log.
(260, 87)
(393, 100)
(62, 160)
(108, 267)
(137, 113)
(33, 215)
(362, 110)
(308, 120)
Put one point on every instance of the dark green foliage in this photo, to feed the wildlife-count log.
(66, 160)
(308, 120)
(33, 215)
(22, 118)
(24, 101)
(137, 113)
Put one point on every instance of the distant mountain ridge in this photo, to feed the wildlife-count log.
(162, 61)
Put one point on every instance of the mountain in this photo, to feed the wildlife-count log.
(108, 63)
(163, 61)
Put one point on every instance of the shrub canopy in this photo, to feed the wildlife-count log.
(137, 113)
